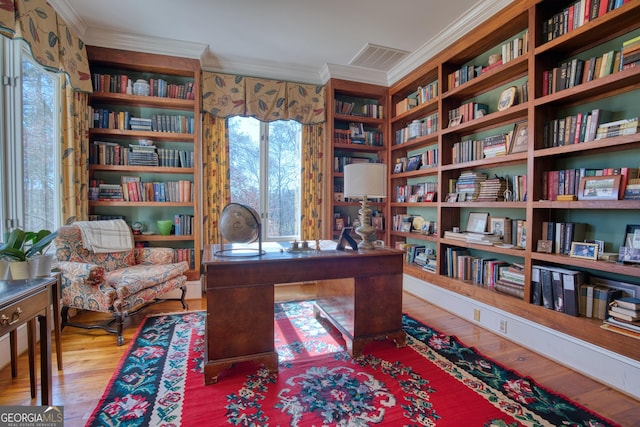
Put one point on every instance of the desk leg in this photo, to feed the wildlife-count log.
(55, 294)
(31, 340)
(45, 358)
(13, 345)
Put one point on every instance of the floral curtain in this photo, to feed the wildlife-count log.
(74, 143)
(215, 172)
(224, 96)
(52, 42)
(312, 156)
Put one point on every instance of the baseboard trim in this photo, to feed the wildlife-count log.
(617, 371)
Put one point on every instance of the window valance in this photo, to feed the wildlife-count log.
(53, 44)
(226, 95)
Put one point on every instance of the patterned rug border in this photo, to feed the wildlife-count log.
(514, 371)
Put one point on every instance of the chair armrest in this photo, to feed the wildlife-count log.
(150, 256)
(82, 273)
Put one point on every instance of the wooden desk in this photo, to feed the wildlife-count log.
(240, 300)
(21, 302)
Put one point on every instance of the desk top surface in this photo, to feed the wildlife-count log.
(283, 251)
(12, 290)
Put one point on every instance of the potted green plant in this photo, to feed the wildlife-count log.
(12, 251)
(38, 244)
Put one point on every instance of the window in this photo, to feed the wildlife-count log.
(30, 157)
(265, 173)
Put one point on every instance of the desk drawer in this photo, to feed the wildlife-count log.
(19, 312)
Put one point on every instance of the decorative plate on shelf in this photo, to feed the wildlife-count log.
(417, 223)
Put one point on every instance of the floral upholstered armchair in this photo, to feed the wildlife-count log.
(120, 283)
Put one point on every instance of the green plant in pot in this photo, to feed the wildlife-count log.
(12, 250)
(39, 242)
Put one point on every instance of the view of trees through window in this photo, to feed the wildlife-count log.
(39, 142)
(265, 161)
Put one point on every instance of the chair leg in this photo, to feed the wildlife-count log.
(119, 324)
(64, 314)
(182, 300)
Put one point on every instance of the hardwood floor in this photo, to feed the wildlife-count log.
(90, 358)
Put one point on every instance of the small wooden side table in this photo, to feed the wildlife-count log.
(21, 302)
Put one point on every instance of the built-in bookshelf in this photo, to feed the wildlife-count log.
(357, 125)
(144, 152)
(528, 106)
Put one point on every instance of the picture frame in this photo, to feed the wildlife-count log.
(398, 167)
(497, 226)
(455, 121)
(584, 250)
(477, 222)
(452, 197)
(414, 163)
(345, 237)
(632, 236)
(545, 246)
(520, 141)
(605, 187)
(339, 224)
(507, 98)
(377, 222)
(430, 196)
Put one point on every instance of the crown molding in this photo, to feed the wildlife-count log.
(481, 12)
(135, 42)
(70, 17)
(352, 72)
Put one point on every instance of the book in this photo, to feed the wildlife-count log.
(615, 310)
(623, 316)
(630, 303)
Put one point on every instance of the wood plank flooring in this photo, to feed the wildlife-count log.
(90, 358)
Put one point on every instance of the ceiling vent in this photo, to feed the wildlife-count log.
(378, 57)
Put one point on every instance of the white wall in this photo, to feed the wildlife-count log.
(617, 371)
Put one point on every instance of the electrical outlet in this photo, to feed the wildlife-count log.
(476, 314)
(503, 326)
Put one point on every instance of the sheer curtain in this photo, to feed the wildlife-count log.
(226, 95)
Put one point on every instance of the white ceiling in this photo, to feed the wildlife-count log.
(297, 40)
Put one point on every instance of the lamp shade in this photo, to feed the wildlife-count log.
(365, 179)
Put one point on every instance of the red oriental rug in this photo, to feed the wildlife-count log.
(434, 381)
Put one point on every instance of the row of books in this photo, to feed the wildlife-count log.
(563, 234)
(185, 254)
(133, 190)
(508, 51)
(112, 153)
(567, 181)
(492, 273)
(427, 159)
(557, 289)
(491, 146)
(574, 129)
(366, 137)
(467, 112)
(427, 92)
(95, 217)
(426, 126)
(422, 192)
(576, 15)
(182, 225)
(577, 71)
(122, 83)
(349, 108)
(339, 162)
(176, 123)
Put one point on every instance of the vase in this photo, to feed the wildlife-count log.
(44, 265)
(19, 270)
(4, 270)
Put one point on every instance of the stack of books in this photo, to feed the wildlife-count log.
(468, 185)
(492, 190)
(625, 313)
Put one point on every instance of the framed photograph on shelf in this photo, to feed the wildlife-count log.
(632, 236)
(430, 196)
(398, 167)
(545, 246)
(507, 98)
(414, 163)
(452, 197)
(377, 222)
(584, 250)
(599, 187)
(496, 226)
(455, 121)
(477, 222)
(339, 224)
(520, 140)
(345, 237)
